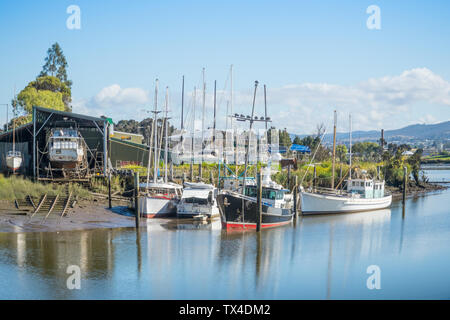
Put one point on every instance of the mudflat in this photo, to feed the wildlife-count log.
(85, 215)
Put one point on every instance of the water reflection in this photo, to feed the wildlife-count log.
(318, 257)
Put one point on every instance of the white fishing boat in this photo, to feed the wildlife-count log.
(362, 193)
(160, 200)
(14, 160)
(198, 199)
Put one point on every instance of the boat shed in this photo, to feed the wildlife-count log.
(103, 151)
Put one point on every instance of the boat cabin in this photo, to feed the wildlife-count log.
(366, 188)
(162, 189)
(65, 145)
(274, 196)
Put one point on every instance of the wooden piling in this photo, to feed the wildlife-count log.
(200, 172)
(191, 172)
(211, 178)
(405, 179)
(184, 177)
(259, 201)
(289, 177)
(109, 189)
(171, 171)
(295, 198)
(136, 198)
(314, 178)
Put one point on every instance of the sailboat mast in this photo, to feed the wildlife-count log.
(350, 164)
(214, 123)
(334, 150)
(166, 147)
(155, 134)
(193, 127)
(231, 96)
(14, 122)
(248, 138)
(203, 111)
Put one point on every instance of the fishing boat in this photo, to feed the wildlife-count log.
(160, 197)
(160, 200)
(363, 193)
(14, 160)
(198, 199)
(239, 210)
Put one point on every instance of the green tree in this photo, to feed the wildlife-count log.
(341, 152)
(284, 138)
(414, 162)
(56, 65)
(48, 92)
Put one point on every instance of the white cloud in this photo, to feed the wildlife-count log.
(389, 102)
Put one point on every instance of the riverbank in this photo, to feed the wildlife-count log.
(87, 214)
(413, 190)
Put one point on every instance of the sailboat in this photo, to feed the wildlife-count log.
(14, 157)
(363, 193)
(161, 196)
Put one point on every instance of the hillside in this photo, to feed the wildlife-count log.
(415, 132)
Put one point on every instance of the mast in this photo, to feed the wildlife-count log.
(155, 134)
(334, 150)
(166, 134)
(193, 128)
(231, 96)
(14, 125)
(203, 111)
(214, 123)
(350, 164)
(248, 137)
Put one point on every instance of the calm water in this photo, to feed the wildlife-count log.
(319, 258)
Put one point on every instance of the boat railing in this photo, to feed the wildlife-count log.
(330, 191)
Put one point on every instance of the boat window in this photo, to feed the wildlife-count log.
(196, 200)
(251, 191)
(280, 195)
(269, 194)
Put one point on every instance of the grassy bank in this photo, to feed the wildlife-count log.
(18, 188)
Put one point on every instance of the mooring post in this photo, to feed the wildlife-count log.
(109, 189)
(259, 201)
(296, 198)
(200, 172)
(171, 171)
(191, 172)
(184, 177)
(289, 176)
(136, 198)
(314, 178)
(405, 179)
(211, 177)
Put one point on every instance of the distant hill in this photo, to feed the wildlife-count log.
(411, 133)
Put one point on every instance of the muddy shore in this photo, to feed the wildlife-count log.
(85, 215)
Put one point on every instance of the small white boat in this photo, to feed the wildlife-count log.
(198, 199)
(361, 195)
(14, 160)
(161, 199)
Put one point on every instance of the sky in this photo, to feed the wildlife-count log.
(314, 57)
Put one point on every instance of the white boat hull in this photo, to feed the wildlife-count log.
(14, 163)
(157, 207)
(189, 210)
(315, 203)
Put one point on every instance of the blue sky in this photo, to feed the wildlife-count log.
(314, 56)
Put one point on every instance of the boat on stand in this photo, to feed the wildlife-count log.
(160, 197)
(363, 193)
(14, 157)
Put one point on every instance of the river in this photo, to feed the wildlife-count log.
(324, 257)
